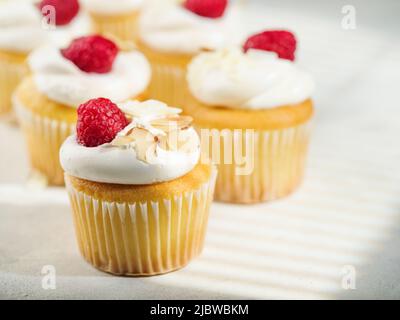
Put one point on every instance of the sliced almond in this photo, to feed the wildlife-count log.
(149, 108)
(141, 134)
(188, 143)
(145, 143)
(172, 122)
(121, 141)
(167, 132)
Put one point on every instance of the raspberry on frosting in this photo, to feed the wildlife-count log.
(207, 8)
(282, 42)
(99, 121)
(92, 53)
(65, 10)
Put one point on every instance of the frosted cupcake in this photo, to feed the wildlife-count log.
(24, 27)
(140, 197)
(259, 104)
(61, 80)
(116, 18)
(172, 32)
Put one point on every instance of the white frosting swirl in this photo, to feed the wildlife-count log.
(62, 35)
(167, 26)
(109, 7)
(20, 26)
(62, 81)
(23, 28)
(108, 163)
(253, 80)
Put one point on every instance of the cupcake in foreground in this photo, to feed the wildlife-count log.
(64, 78)
(116, 18)
(26, 25)
(140, 197)
(172, 32)
(259, 105)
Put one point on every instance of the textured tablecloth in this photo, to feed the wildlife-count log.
(344, 221)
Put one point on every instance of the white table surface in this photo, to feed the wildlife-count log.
(347, 213)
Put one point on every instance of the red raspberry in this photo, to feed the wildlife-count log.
(92, 53)
(99, 121)
(282, 42)
(66, 10)
(207, 8)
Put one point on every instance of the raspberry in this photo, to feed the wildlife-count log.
(92, 53)
(99, 121)
(66, 10)
(282, 42)
(207, 8)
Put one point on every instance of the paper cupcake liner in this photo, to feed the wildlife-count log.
(11, 73)
(123, 27)
(141, 239)
(44, 138)
(279, 159)
(168, 83)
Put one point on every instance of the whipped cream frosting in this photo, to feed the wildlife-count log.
(20, 26)
(168, 27)
(111, 7)
(23, 27)
(62, 81)
(120, 164)
(62, 35)
(253, 80)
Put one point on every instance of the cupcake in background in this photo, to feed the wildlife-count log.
(172, 32)
(24, 27)
(62, 79)
(140, 198)
(258, 104)
(70, 20)
(114, 18)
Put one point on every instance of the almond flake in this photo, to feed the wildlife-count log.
(172, 122)
(147, 109)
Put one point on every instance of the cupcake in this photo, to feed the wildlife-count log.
(256, 106)
(140, 198)
(172, 32)
(116, 18)
(26, 25)
(61, 80)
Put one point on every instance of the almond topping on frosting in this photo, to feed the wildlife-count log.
(148, 109)
(123, 45)
(182, 122)
(154, 127)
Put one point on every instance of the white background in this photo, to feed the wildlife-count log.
(346, 213)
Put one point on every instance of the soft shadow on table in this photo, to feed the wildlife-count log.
(379, 276)
(286, 249)
(34, 237)
(106, 288)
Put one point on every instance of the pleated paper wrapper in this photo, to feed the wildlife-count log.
(11, 73)
(141, 238)
(44, 137)
(279, 160)
(168, 83)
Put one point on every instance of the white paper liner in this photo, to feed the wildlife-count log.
(141, 238)
(168, 84)
(10, 76)
(44, 137)
(279, 165)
